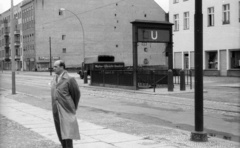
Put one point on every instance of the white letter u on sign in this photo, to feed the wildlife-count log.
(156, 35)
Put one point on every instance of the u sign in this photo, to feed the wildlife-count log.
(153, 35)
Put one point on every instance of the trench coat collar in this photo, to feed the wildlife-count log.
(65, 75)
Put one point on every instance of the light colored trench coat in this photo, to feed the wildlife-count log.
(65, 98)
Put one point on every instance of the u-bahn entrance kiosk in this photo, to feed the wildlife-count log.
(144, 32)
(151, 32)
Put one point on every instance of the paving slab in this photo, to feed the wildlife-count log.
(117, 137)
(97, 132)
(88, 126)
(35, 126)
(137, 144)
(44, 130)
(85, 139)
(94, 145)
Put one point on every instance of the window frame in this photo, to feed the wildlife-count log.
(176, 22)
(186, 20)
(212, 63)
(64, 50)
(63, 36)
(226, 14)
(239, 11)
(210, 13)
(233, 59)
(175, 1)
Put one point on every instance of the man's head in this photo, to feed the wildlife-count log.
(59, 67)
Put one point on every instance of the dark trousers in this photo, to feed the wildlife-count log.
(66, 143)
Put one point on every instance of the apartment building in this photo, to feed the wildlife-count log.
(5, 39)
(221, 35)
(106, 25)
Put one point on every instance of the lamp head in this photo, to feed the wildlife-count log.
(62, 9)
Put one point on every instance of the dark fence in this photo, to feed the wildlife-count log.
(112, 77)
(152, 78)
(188, 76)
(145, 78)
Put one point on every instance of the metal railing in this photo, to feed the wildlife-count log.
(145, 78)
(112, 77)
(188, 76)
(152, 78)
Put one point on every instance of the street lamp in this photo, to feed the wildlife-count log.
(13, 50)
(63, 9)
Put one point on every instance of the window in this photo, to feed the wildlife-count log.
(186, 61)
(235, 59)
(175, 1)
(64, 50)
(212, 60)
(239, 11)
(226, 14)
(211, 16)
(186, 20)
(176, 22)
(63, 37)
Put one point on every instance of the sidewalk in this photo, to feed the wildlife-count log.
(92, 136)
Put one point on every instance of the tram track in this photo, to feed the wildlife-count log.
(136, 99)
(227, 108)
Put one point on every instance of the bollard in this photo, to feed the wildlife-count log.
(153, 78)
(85, 77)
(170, 80)
(190, 73)
(182, 80)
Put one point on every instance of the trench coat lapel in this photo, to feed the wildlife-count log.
(63, 77)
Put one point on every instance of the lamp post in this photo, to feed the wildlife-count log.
(50, 57)
(198, 134)
(63, 9)
(13, 51)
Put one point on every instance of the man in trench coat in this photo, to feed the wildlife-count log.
(65, 97)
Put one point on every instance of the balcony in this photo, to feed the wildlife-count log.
(17, 43)
(6, 46)
(7, 58)
(17, 32)
(6, 32)
(17, 57)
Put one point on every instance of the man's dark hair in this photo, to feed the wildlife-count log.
(62, 64)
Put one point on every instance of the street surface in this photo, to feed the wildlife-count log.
(139, 113)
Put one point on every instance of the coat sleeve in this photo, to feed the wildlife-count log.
(74, 91)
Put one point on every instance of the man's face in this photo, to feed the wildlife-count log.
(57, 69)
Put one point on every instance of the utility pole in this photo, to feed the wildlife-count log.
(50, 57)
(198, 134)
(13, 50)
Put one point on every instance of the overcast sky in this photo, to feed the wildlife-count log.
(6, 4)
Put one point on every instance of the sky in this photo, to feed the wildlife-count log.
(6, 4)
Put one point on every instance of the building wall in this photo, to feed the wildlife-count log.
(107, 27)
(28, 29)
(216, 39)
(18, 22)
